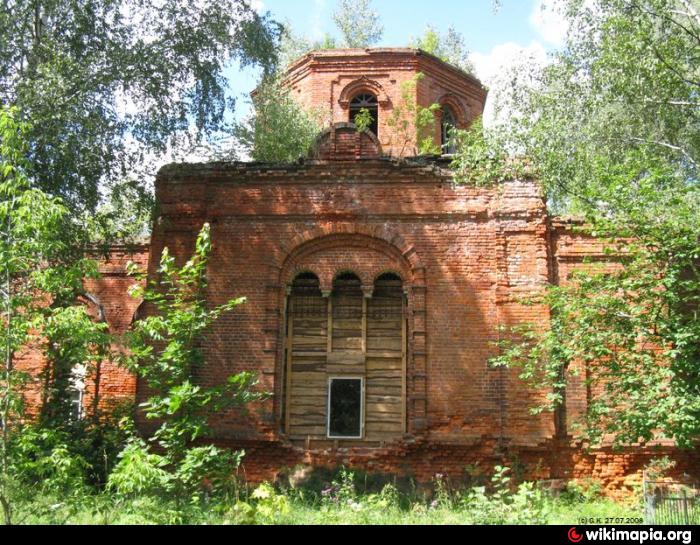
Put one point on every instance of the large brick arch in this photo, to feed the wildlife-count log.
(331, 255)
(400, 257)
(393, 242)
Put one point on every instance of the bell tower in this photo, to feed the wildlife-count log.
(343, 82)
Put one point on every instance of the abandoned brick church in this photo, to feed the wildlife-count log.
(375, 290)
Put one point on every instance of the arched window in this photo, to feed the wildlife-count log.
(447, 124)
(366, 101)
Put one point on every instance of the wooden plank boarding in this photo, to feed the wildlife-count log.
(288, 381)
(404, 370)
(353, 332)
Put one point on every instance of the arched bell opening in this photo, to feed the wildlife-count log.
(365, 103)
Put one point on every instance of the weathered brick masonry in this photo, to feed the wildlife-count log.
(465, 255)
(363, 266)
(107, 300)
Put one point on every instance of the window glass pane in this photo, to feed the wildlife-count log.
(76, 404)
(448, 123)
(345, 408)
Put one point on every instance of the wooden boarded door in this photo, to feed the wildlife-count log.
(367, 340)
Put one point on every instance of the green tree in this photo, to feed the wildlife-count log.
(164, 349)
(279, 129)
(293, 46)
(41, 276)
(414, 126)
(359, 24)
(104, 83)
(480, 157)
(124, 216)
(612, 129)
(449, 46)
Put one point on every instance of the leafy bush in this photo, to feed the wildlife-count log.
(280, 129)
(43, 461)
(266, 506)
(524, 505)
(582, 491)
(139, 472)
(164, 349)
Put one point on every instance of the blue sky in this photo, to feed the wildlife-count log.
(483, 26)
(496, 37)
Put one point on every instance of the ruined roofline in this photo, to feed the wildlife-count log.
(361, 170)
(420, 166)
(369, 51)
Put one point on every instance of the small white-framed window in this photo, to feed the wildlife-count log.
(77, 392)
(346, 407)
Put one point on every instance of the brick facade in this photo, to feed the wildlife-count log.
(107, 300)
(466, 256)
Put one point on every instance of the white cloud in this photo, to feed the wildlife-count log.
(257, 5)
(489, 67)
(501, 68)
(548, 20)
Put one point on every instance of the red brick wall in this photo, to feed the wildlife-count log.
(618, 471)
(466, 255)
(113, 384)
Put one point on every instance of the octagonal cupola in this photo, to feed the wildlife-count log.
(386, 82)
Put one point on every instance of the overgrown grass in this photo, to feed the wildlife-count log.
(339, 503)
(104, 510)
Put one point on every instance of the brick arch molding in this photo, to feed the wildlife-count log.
(363, 84)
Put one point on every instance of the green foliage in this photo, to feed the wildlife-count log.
(587, 490)
(73, 341)
(266, 506)
(93, 77)
(358, 23)
(42, 268)
(363, 120)
(657, 468)
(612, 129)
(280, 130)
(43, 459)
(502, 503)
(124, 217)
(293, 47)
(164, 350)
(412, 125)
(480, 158)
(449, 47)
(143, 473)
(526, 505)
